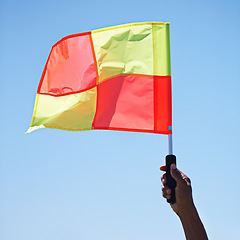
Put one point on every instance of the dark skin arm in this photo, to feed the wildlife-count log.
(184, 206)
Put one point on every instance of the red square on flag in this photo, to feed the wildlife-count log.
(125, 102)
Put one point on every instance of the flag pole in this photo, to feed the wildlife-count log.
(170, 144)
(170, 159)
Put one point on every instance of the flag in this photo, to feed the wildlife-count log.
(115, 78)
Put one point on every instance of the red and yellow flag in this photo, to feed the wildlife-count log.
(116, 78)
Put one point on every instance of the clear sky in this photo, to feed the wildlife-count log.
(93, 185)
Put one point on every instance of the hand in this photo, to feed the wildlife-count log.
(184, 206)
(183, 190)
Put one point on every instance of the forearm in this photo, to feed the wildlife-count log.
(192, 225)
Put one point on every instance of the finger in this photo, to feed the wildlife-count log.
(166, 195)
(164, 179)
(177, 175)
(166, 190)
(163, 168)
(185, 177)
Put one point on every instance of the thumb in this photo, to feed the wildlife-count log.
(176, 174)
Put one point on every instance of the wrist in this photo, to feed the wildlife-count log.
(187, 211)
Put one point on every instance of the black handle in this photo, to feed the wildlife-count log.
(171, 183)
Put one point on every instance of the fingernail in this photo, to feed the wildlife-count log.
(174, 166)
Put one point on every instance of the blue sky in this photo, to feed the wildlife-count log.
(91, 185)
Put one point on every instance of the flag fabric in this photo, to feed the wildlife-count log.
(115, 78)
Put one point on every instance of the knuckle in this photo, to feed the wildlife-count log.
(188, 180)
